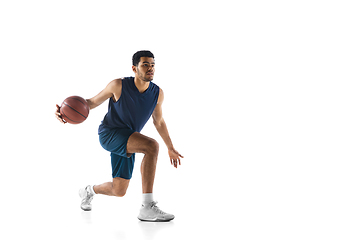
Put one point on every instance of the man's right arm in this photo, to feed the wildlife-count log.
(113, 89)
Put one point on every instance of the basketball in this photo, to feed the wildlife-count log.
(74, 110)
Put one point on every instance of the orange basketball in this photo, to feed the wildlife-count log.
(74, 110)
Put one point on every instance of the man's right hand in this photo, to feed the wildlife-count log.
(58, 114)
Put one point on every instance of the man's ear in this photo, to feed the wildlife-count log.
(134, 68)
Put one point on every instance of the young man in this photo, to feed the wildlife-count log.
(131, 103)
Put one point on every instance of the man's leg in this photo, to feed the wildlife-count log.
(116, 188)
(139, 143)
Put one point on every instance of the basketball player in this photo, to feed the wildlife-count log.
(131, 103)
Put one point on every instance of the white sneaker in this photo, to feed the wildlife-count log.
(151, 213)
(86, 198)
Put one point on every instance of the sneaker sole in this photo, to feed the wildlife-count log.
(86, 210)
(156, 220)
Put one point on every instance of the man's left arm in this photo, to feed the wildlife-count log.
(163, 131)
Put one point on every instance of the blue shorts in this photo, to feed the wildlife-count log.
(115, 141)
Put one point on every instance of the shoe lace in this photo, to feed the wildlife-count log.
(156, 208)
(89, 197)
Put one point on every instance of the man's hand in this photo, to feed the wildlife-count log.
(58, 114)
(174, 157)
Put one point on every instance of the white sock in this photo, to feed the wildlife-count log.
(92, 189)
(147, 198)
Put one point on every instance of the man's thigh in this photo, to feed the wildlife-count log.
(139, 143)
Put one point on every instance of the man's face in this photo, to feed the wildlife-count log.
(145, 69)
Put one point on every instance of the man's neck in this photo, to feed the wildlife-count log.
(141, 85)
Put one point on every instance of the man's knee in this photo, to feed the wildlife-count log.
(120, 192)
(120, 186)
(152, 147)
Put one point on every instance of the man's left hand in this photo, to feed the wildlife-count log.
(175, 157)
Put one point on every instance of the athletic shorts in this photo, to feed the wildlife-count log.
(115, 141)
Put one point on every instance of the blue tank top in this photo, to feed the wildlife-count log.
(133, 109)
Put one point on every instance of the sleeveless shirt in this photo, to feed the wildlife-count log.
(133, 109)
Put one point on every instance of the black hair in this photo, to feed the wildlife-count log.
(139, 54)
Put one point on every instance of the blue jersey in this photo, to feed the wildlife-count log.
(133, 109)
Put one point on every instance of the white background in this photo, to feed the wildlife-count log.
(261, 97)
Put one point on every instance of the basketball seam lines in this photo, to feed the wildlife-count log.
(78, 100)
(69, 118)
(74, 110)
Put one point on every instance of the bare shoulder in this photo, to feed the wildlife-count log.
(161, 96)
(115, 87)
(116, 83)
